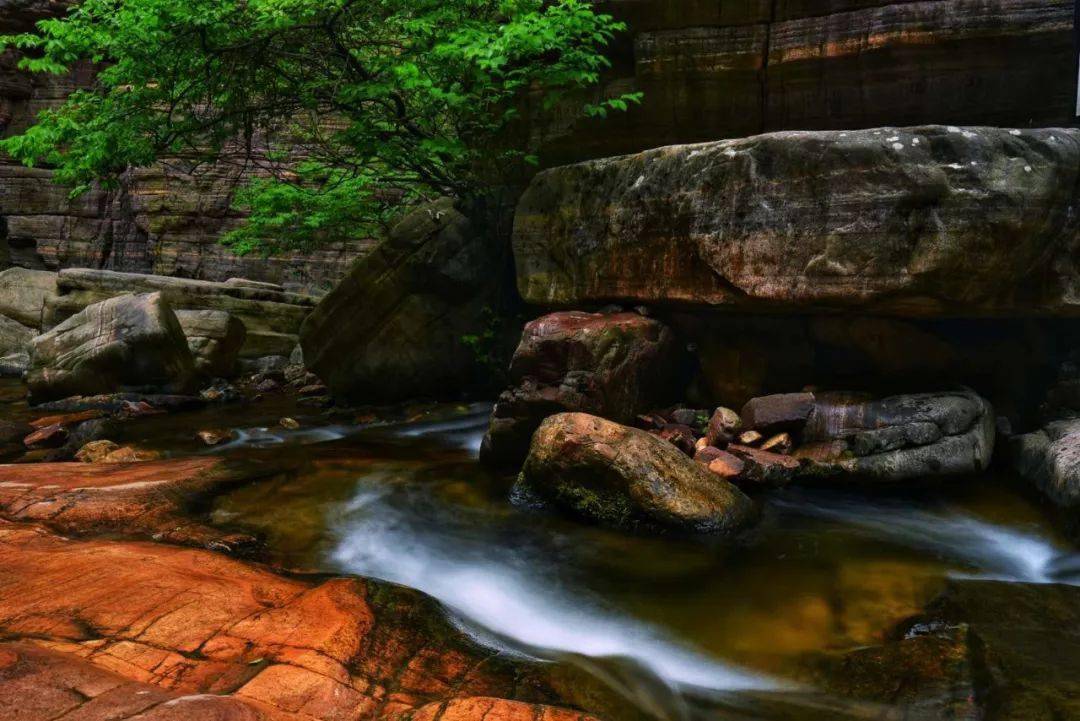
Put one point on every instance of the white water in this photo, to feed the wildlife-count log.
(510, 593)
(991, 551)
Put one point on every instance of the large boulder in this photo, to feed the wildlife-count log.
(215, 339)
(24, 293)
(271, 315)
(395, 327)
(883, 220)
(128, 342)
(610, 365)
(625, 477)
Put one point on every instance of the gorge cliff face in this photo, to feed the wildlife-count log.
(709, 70)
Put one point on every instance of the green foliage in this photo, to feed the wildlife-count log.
(346, 108)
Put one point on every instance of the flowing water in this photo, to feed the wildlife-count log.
(668, 621)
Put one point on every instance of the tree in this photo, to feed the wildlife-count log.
(348, 109)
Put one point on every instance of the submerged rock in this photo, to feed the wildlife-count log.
(127, 342)
(621, 476)
(981, 649)
(395, 327)
(611, 365)
(883, 220)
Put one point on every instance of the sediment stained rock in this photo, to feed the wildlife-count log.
(883, 220)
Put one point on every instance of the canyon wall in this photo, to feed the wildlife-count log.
(709, 70)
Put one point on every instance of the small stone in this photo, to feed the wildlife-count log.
(47, 437)
(317, 389)
(138, 409)
(765, 468)
(780, 443)
(650, 422)
(750, 438)
(268, 385)
(689, 417)
(727, 465)
(211, 395)
(214, 437)
(95, 451)
(128, 454)
(680, 436)
(702, 444)
(66, 419)
(290, 424)
(723, 426)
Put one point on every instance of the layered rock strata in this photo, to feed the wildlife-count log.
(879, 221)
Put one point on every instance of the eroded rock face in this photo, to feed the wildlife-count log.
(622, 476)
(610, 365)
(882, 220)
(713, 70)
(215, 339)
(394, 328)
(131, 341)
(207, 637)
(902, 438)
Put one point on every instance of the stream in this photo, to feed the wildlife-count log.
(674, 624)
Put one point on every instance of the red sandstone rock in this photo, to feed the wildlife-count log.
(47, 437)
(195, 636)
(67, 419)
(136, 499)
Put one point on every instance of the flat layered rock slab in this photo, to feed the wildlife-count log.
(133, 499)
(884, 220)
(189, 622)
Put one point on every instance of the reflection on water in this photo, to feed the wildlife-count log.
(668, 619)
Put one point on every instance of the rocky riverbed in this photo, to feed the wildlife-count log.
(269, 576)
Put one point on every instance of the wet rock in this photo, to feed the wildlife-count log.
(613, 366)
(127, 454)
(129, 404)
(690, 417)
(783, 412)
(423, 290)
(215, 437)
(131, 341)
(750, 438)
(121, 494)
(722, 463)
(981, 649)
(47, 437)
(624, 477)
(780, 443)
(225, 640)
(67, 419)
(763, 468)
(680, 436)
(311, 391)
(290, 424)
(215, 339)
(267, 385)
(95, 451)
(724, 425)
(744, 223)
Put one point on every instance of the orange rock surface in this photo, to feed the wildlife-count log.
(133, 499)
(112, 630)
